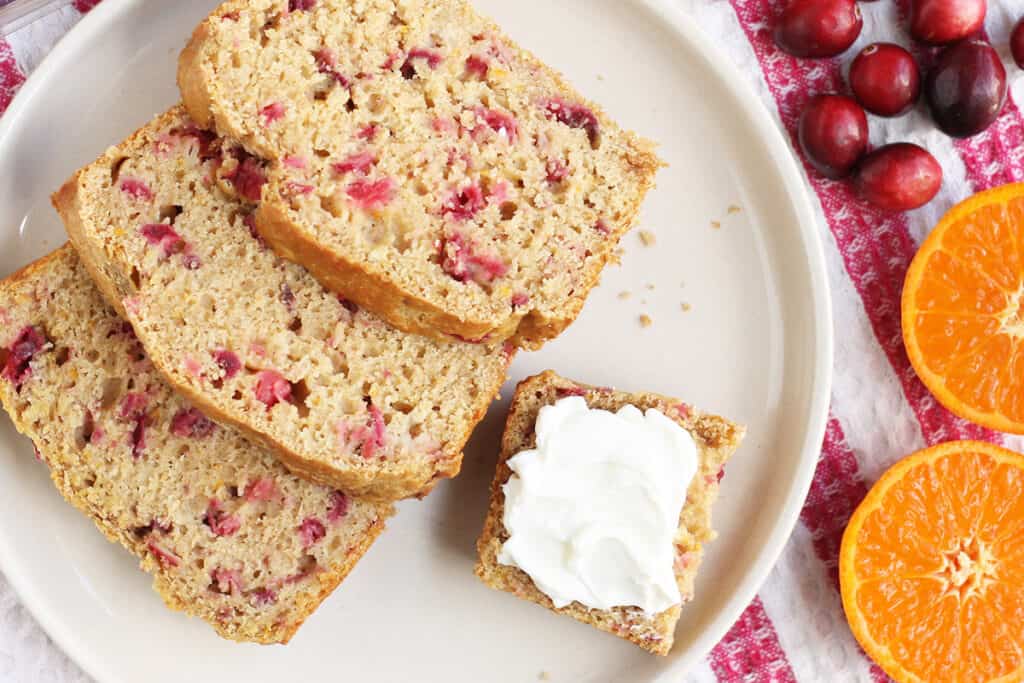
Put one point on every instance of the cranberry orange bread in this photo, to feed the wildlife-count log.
(346, 400)
(421, 163)
(228, 534)
(716, 440)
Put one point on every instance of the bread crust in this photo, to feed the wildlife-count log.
(163, 578)
(371, 287)
(386, 485)
(717, 439)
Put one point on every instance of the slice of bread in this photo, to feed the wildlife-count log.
(346, 400)
(716, 438)
(228, 534)
(420, 162)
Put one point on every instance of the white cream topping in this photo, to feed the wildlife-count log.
(591, 512)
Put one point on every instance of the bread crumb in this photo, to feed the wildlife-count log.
(686, 307)
(716, 224)
(624, 294)
(645, 320)
(600, 77)
(647, 238)
(650, 285)
(733, 209)
(543, 676)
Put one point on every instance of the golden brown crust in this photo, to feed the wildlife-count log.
(191, 81)
(716, 438)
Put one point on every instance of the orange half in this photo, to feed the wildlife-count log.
(932, 566)
(963, 323)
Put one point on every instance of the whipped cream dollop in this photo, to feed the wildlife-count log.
(591, 512)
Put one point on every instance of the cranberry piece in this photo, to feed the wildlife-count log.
(163, 236)
(576, 116)
(369, 195)
(311, 531)
(885, 79)
(1017, 43)
(360, 162)
(818, 28)
(301, 5)
(191, 424)
(339, 504)
(966, 89)
(228, 362)
(940, 22)
(833, 134)
(272, 388)
(248, 178)
(899, 177)
(29, 342)
(219, 521)
(164, 557)
(463, 204)
(262, 489)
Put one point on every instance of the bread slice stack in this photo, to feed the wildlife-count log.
(289, 300)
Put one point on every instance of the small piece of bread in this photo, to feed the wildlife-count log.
(228, 534)
(162, 224)
(716, 440)
(420, 162)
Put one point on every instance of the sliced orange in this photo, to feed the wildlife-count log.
(963, 323)
(932, 566)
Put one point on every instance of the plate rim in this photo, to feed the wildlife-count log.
(672, 14)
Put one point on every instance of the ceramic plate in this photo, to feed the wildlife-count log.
(754, 345)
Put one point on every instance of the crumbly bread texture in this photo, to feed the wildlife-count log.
(716, 438)
(420, 162)
(228, 534)
(346, 400)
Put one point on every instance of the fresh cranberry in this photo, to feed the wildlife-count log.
(1017, 43)
(966, 88)
(885, 79)
(191, 424)
(465, 203)
(339, 504)
(228, 362)
(575, 116)
(818, 28)
(833, 134)
(360, 162)
(29, 342)
(899, 177)
(219, 521)
(311, 531)
(262, 489)
(272, 388)
(371, 194)
(940, 22)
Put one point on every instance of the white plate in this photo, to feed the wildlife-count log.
(756, 346)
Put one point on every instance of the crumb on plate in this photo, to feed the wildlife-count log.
(645, 320)
(647, 238)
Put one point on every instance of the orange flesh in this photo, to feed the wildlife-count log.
(932, 566)
(963, 322)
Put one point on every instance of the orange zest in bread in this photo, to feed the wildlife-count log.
(162, 224)
(963, 321)
(717, 439)
(932, 566)
(420, 162)
(228, 534)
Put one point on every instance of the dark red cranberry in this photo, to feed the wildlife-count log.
(940, 22)
(899, 177)
(833, 134)
(966, 89)
(1017, 43)
(818, 28)
(885, 79)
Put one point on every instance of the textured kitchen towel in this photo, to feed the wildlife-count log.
(794, 630)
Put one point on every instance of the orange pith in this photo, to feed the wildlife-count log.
(963, 321)
(932, 566)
